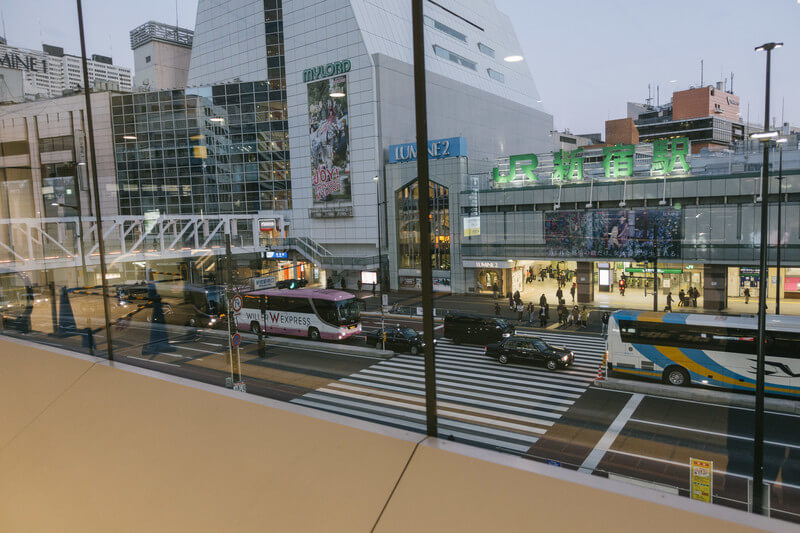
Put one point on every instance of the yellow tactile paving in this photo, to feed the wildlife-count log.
(123, 452)
(442, 491)
(29, 381)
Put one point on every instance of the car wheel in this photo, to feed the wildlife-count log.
(503, 359)
(255, 327)
(414, 350)
(677, 376)
(551, 364)
(192, 322)
(313, 334)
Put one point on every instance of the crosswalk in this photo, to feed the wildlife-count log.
(479, 401)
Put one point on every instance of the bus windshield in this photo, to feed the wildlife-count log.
(348, 311)
(216, 300)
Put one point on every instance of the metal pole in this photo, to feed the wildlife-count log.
(758, 429)
(423, 183)
(93, 165)
(778, 245)
(655, 284)
(380, 257)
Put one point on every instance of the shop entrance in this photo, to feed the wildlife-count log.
(488, 279)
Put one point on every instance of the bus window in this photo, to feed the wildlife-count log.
(348, 311)
(327, 311)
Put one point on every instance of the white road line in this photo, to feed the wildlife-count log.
(182, 347)
(438, 327)
(212, 344)
(715, 433)
(150, 360)
(605, 442)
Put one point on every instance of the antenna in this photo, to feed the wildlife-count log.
(649, 98)
(783, 103)
(701, 73)
(658, 95)
(4, 25)
(731, 82)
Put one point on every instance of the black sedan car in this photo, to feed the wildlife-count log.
(531, 350)
(291, 284)
(398, 339)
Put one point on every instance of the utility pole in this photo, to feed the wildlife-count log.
(420, 102)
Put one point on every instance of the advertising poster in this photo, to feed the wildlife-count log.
(702, 481)
(614, 233)
(330, 139)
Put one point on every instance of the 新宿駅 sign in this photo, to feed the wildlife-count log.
(437, 149)
(325, 71)
(669, 159)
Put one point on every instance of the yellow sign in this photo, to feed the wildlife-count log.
(472, 226)
(702, 479)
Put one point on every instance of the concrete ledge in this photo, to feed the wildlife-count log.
(719, 397)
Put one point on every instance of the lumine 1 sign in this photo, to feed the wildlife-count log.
(618, 161)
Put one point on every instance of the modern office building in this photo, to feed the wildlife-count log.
(708, 116)
(161, 55)
(295, 125)
(50, 72)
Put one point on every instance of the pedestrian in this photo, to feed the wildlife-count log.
(531, 311)
(681, 298)
(561, 310)
(373, 288)
(559, 294)
(344, 284)
(510, 302)
(604, 320)
(516, 297)
(494, 290)
(542, 300)
(359, 284)
(584, 317)
(747, 295)
(497, 309)
(572, 291)
(542, 317)
(694, 294)
(575, 317)
(520, 310)
(669, 302)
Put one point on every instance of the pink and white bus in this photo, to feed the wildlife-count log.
(313, 313)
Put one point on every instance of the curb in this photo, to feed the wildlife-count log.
(718, 397)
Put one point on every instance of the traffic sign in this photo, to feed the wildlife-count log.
(237, 303)
(236, 340)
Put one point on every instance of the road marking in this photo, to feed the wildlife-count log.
(183, 347)
(150, 360)
(715, 433)
(438, 327)
(605, 442)
(212, 344)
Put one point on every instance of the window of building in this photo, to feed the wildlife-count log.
(407, 200)
(486, 50)
(146, 59)
(455, 58)
(497, 76)
(445, 29)
(13, 148)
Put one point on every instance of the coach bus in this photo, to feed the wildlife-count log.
(719, 351)
(182, 303)
(313, 313)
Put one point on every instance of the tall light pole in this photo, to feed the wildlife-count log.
(380, 256)
(780, 142)
(758, 430)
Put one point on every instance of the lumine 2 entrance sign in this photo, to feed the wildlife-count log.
(669, 159)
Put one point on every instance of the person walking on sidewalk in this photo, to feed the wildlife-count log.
(497, 309)
(747, 295)
(531, 311)
(669, 302)
(604, 321)
(572, 291)
(584, 317)
(510, 302)
(542, 317)
(520, 310)
(559, 294)
(695, 296)
(542, 300)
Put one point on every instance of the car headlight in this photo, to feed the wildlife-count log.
(506, 334)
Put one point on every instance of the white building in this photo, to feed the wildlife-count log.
(345, 70)
(161, 55)
(49, 72)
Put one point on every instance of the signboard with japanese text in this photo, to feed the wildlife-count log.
(702, 479)
(663, 157)
(328, 123)
(472, 226)
(614, 233)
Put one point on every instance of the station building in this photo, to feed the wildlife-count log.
(603, 213)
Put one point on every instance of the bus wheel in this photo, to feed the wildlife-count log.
(255, 328)
(192, 322)
(676, 375)
(313, 334)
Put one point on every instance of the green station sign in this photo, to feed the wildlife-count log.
(669, 159)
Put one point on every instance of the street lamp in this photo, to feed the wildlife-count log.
(380, 257)
(780, 142)
(758, 429)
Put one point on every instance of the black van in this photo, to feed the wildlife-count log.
(472, 329)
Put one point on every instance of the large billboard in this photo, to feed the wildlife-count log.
(330, 139)
(614, 233)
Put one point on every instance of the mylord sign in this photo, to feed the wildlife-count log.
(326, 71)
(437, 149)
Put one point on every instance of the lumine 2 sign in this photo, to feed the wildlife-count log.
(669, 158)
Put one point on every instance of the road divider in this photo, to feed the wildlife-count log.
(696, 394)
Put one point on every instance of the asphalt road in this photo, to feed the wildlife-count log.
(545, 416)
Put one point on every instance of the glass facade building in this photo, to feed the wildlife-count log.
(221, 149)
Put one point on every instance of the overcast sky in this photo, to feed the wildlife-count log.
(588, 57)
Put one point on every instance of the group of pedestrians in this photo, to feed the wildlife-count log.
(685, 298)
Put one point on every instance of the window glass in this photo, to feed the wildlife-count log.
(486, 50)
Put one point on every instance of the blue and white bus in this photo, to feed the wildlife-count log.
(720, 351)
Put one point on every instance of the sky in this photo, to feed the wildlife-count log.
(588, 57)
